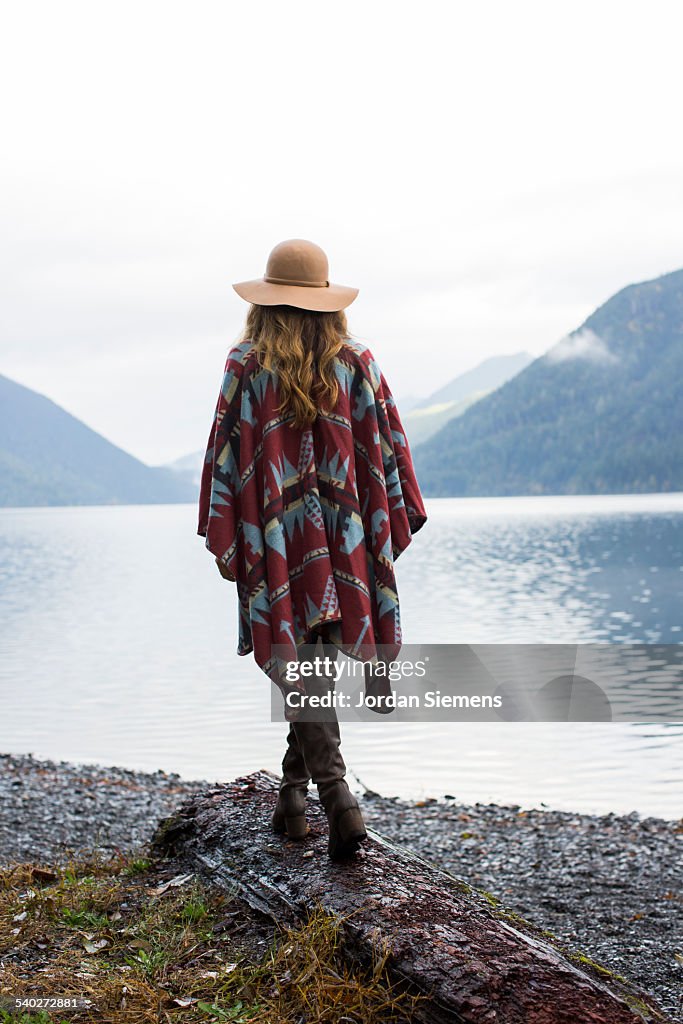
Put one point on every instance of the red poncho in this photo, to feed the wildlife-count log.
(310, 521)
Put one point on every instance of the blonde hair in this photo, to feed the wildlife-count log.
(300, 345)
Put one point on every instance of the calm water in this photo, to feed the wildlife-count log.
(118, 641)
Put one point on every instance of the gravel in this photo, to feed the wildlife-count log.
(607, 886)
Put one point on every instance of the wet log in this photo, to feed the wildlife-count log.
(474, 960)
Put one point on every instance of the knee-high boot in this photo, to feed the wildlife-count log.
(320, 743)
(290, 810)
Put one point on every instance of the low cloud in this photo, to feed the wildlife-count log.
(585, 344)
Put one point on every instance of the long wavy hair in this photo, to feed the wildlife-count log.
(299, 345)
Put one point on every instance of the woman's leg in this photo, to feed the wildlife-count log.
(320, 743)
(290, 810)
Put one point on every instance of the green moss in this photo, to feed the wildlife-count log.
(581, 958)
(503, 914)
(586, 961)
(489, 897)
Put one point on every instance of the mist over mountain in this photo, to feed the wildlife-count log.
(600, 412)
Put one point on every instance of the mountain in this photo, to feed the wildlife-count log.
(421, 424)
(486, 376)
(189, 467)
(48, 457)
(600, 412)
(428, 415)
(408, 402)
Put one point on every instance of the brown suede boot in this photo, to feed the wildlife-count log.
(290, 810)
(320, 745)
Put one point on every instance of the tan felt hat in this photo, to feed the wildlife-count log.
(297, 275)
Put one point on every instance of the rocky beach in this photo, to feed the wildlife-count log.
(608, 886)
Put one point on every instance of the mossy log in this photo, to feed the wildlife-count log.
(472, 959)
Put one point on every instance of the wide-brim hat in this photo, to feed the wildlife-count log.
(297, 275)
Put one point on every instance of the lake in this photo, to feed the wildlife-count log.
(118, 647)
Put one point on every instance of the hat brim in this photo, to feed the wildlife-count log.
(321, 300)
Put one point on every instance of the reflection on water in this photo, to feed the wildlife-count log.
(552, 570)
(119, 637)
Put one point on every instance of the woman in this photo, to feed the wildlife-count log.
(308, 496)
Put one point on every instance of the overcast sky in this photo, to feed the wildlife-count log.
(487, 174)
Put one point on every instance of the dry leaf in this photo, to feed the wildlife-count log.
(172, 884)
(95, 947)
(43, 874)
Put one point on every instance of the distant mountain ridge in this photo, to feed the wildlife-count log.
(48, 457)
(600, 412)
(425, 417)
(483, 377)
(189, 466)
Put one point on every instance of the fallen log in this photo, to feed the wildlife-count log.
(475, 961)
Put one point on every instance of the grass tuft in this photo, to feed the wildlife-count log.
(145, 948)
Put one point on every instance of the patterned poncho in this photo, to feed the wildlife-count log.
(309, 522)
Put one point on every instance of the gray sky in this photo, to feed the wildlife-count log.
(486, 174)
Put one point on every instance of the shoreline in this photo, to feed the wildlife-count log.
(608, 885)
